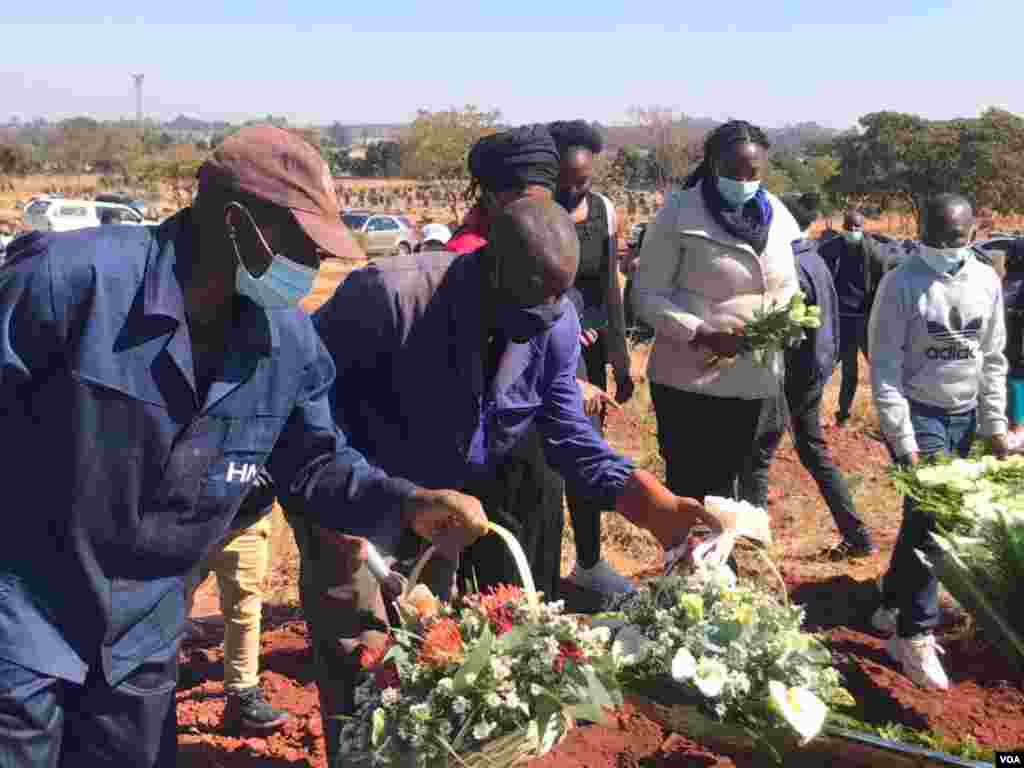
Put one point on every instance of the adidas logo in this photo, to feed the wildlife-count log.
(955, 329)
(959, 338)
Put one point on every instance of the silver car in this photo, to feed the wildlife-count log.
(386, 234)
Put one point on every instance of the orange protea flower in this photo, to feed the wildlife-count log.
(371, 656)
(420, 602)
(443, 644)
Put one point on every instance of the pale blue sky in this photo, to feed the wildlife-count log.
(769, 61)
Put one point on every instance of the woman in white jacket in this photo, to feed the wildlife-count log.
(717, 251)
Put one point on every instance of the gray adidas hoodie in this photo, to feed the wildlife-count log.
(938, 339)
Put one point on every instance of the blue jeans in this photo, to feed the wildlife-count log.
(909, 585)
(50, 723)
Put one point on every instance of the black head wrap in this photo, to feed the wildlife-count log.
(515, 159)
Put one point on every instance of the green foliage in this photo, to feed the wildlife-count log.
(902, 158)
(437, 144)
(966, 748)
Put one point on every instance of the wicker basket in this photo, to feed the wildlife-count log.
(512, 749)
(508, 751)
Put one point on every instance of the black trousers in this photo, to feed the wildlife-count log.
(801, 408)
(586, 515)
(525, 496)
(853, 339)
(704, 440)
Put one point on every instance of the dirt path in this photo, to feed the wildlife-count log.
(986, 701)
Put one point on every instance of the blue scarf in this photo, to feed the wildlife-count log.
(750, 223)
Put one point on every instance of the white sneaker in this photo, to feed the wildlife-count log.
(885, 620)
(601, 578)
(919, 657)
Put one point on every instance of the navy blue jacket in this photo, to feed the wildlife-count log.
(406, 338)
(117, 480)
(814, 360)
(855, 274)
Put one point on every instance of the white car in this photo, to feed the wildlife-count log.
(62, 215)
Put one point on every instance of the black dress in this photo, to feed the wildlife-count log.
(523, 494)
(597, 289)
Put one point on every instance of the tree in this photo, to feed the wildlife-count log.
(15, 160)
(671, 139)
(436, 146)
(383, 160)
(177, 168)
(76, 145)
(903, 159)
(120, 154)
(996, 155)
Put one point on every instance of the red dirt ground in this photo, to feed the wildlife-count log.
(985, 701)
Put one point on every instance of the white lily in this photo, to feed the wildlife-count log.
(483, 730)
(710, 677)
(684, 666)
(804, 711)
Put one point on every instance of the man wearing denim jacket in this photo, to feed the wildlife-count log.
(937, 335)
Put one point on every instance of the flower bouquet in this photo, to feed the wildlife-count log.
(979, 513)
(493, 680)
(724, 664)
(775, 328)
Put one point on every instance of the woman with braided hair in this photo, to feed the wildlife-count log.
(602, 319)
(718, 251)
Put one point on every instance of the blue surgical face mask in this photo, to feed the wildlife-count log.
(737, 193)
(521, 324)
(285, 282)
(855, 237)
(944, 260)
(283, 285)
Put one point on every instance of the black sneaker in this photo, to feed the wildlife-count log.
(249, 710)
(852, 550)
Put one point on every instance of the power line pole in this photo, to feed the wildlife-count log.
(138, 100)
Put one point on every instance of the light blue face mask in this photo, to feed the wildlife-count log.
(737, 193)
(855, 237)
(283, 285)
(944, 260)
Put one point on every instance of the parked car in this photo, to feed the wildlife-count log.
(386, 235)
(61, 215)
(136, 203)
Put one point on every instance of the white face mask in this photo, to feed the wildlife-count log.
(944, 260)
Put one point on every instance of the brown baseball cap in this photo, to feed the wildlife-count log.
(280, 167)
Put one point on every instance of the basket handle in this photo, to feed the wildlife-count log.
(522, 565)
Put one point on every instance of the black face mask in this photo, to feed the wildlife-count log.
(521, 324)
(570, 199)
